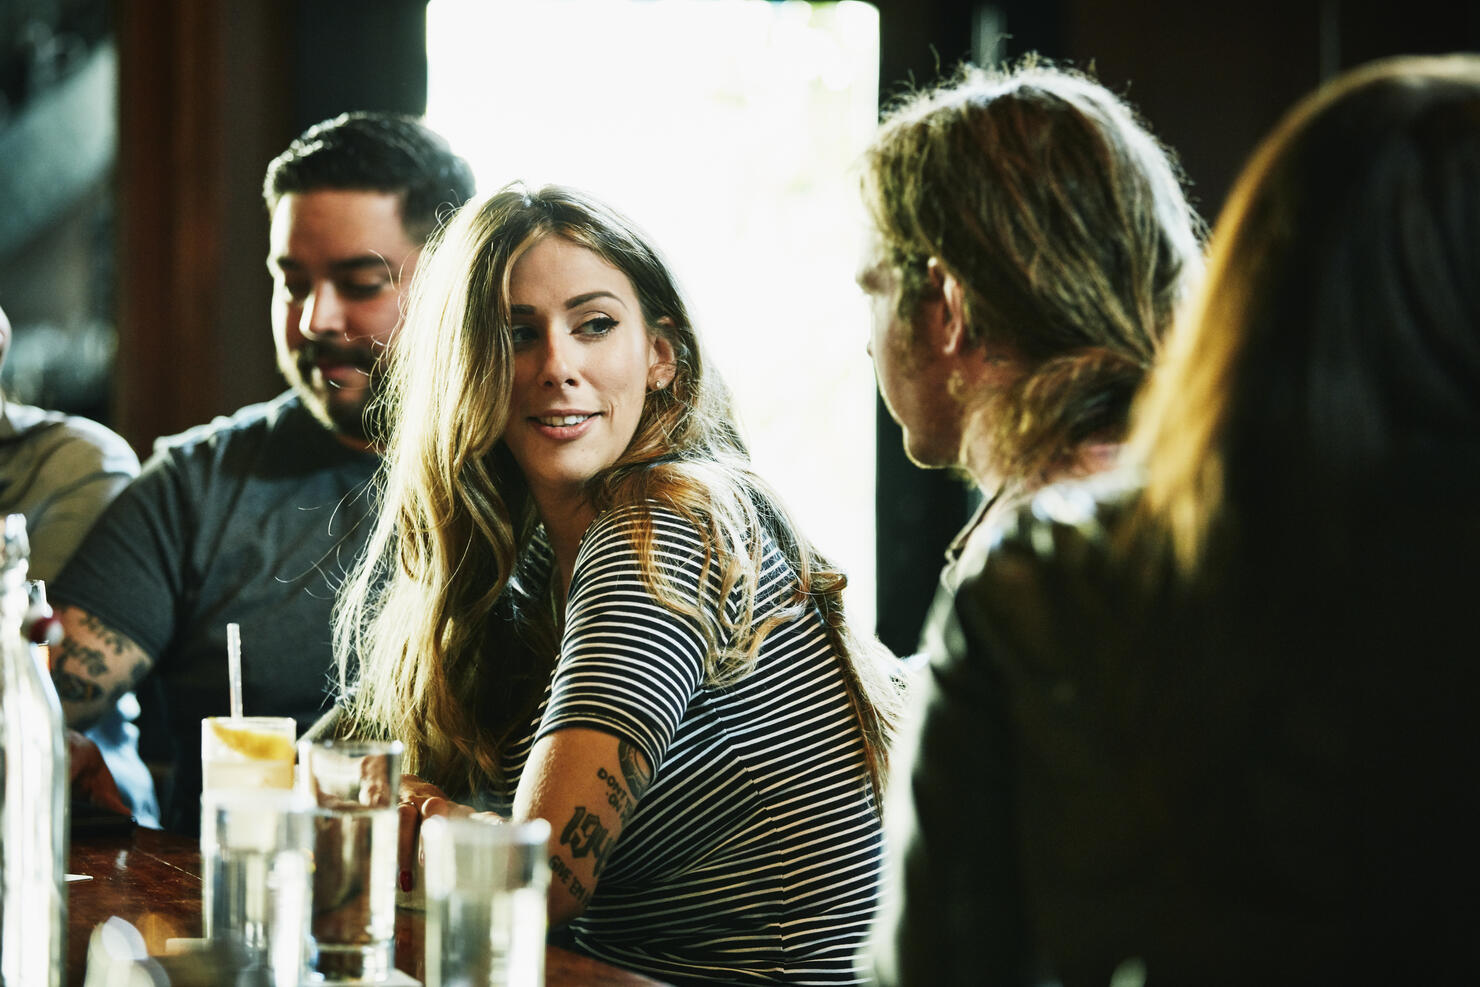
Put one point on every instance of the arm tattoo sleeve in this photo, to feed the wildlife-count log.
(94, 668)
(106, 635)
(76, 672)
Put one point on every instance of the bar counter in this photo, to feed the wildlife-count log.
(152, 880)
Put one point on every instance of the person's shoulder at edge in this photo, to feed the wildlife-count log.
(671, 529)
(264, 416)
(678, 551)
(1034, 568)
(82, 438)
(1085, 508)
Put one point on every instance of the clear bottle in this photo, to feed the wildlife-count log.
(33, 780)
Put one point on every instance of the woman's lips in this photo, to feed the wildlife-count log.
(565, 424)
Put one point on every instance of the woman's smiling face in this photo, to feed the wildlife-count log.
(583, 363)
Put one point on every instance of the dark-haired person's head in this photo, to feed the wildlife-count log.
(351, 202)
(1032, 241)
(1334, 353)
(375, 152)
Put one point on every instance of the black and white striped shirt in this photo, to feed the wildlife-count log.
(754, 855)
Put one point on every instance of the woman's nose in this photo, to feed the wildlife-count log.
(558, 368)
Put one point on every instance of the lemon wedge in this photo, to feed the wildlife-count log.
(254, 744)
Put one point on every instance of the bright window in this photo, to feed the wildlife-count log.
(730, 131)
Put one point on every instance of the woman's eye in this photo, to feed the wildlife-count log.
(599, 326)
(521, 335)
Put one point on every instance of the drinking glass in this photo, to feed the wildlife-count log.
(246, 752)
(485, 892)
(256, 875)
(353, 786)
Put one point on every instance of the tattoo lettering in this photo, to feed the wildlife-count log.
(587, 835)
(88, 661)
(113, 640)
(75, 673)
(81, 668)
(561, 872)
(638, 776)
(616, 795)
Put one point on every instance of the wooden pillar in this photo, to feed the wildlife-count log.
(201, 109)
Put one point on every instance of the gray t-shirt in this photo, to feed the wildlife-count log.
(253, 519)
(61, 471)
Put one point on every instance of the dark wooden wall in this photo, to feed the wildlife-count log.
(209, 92)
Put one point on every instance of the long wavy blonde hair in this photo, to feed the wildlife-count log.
(453, 649)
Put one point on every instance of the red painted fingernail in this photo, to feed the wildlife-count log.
(405, 880)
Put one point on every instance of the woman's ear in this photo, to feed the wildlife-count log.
(662, 365)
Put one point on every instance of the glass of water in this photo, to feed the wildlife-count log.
(256, 867)
(485, 890)
(353, 785)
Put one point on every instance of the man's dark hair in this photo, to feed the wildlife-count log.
(375, 152)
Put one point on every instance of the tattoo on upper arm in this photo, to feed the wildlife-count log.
(622, 793)
(560, 872)
(113, 640)
(74, 689)
(588, 836)
(135, 674)
(78, 661)
(81, 667)
(634, 768)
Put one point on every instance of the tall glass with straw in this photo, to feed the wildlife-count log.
(239, 753)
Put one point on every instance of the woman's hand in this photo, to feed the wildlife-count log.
(420, 800)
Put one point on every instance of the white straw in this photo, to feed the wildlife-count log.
(234, 666)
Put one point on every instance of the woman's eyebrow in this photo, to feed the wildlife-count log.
(570, 303)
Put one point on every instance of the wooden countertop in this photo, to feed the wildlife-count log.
(152, 880)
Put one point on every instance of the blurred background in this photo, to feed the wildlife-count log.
(134, 134)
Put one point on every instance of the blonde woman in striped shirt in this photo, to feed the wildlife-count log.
(580, 604)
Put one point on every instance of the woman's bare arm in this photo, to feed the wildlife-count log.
(586, 784)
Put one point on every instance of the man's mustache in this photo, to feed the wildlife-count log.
(362, 357)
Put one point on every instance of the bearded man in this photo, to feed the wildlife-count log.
(252, 519)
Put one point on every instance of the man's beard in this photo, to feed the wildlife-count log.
(355, 418)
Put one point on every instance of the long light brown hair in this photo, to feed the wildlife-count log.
(1339, 325)
(426, 611)
(1065, 223)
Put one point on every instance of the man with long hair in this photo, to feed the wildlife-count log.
(1030, 243)
(1220, 718)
